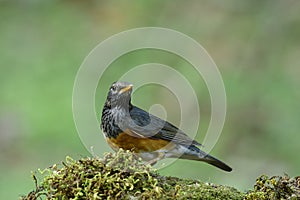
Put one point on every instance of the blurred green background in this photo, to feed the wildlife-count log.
(254, 43)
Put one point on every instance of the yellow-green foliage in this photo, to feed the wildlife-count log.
(123, 176)
(276, 187)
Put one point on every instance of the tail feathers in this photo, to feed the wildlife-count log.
(202, 156)
(217, 163)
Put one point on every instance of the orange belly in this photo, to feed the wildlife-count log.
(137, 144)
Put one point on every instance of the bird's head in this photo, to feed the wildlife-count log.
(119, 94)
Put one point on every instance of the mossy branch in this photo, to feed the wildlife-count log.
(123, 176)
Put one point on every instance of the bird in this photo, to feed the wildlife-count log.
(131, 128)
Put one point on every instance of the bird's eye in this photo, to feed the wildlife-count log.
(113, 88)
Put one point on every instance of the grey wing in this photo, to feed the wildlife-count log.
(144, 124)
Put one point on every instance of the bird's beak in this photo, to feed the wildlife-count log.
(125, 89)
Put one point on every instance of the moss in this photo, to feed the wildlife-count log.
(276, 187)
(123, 176)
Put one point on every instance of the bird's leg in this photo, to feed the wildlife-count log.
(152, 162)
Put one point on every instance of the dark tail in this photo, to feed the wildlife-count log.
(217, 163)
(197, 154)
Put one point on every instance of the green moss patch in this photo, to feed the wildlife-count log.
(123, 176)
(276, 187)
